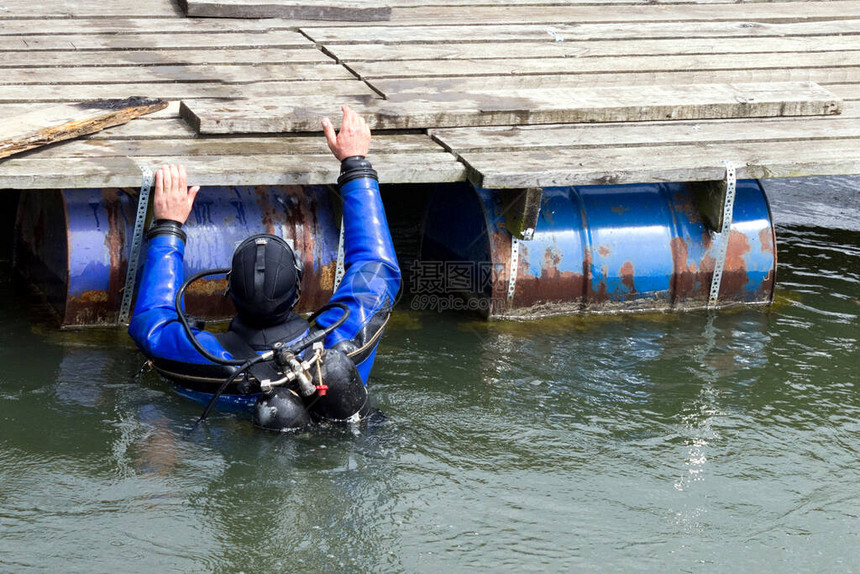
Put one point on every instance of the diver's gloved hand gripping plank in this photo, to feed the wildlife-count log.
(292, 371)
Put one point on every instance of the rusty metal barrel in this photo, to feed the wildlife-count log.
(74, 244)
(595, 248)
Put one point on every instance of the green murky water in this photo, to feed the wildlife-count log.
(668, 442)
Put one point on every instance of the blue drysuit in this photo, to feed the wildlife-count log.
(368, 289)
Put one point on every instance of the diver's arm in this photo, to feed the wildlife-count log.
(372, 277)
(154, 325)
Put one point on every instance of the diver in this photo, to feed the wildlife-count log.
(293, 371)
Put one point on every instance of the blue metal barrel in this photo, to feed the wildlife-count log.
(74, 244)
(599, 248)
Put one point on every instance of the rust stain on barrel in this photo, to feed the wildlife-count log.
(766, 238)
(602, 293)
(500, 250)
(684, 203)
(683, 282)
(208, 299)
(735, 275)
(627, 278)
(552, 286)
(735, 272)
(205, 287)
(114, 240)
(92, 307)
(551, 258)
(268, 213)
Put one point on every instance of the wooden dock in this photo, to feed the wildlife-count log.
(507, 94)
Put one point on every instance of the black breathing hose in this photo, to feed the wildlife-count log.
(295, 348)
(184, 320)
(245, 366)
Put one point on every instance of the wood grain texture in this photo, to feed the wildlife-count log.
(355, 11)
(503, 13)
(107, 145)
(60, 173)
(581, 136)
(593, 49)
(57, 123)
(171, 73)
(441, 62)
(524, 107)
(32, 61)
(206, 41)
(547, 168)
(503, 67)
(179, 90)
(86, 8)
(439, 88)
(135, 25)
(564, 32)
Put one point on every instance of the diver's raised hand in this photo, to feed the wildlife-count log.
(352, 139)
(173, 198)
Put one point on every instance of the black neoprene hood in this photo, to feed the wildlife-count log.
(265, 282)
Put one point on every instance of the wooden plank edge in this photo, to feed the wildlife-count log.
(380, 12)
(116, 112)
(773, 169)
(75, 173)
(215, 125)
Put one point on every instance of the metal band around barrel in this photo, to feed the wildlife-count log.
(725, 231)
(515, 263)
(136, 245)
(339, 270)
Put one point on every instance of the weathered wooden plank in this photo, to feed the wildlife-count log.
(177, 91)
(140, 26)
(469, 3)
(846, 91)
(186, 145)
(145, 129)
(135, 58)
(87, 9)
(225, 74)
(592, 49)
(547, 168)
(57, 123)
(352, 11)
(442, 88)
(8, 111)
(206, 41)
(62, 173)
(417, 32)
(576, 137)
(502, 13)
(616, 65)
(574, 105)
(561, 32)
